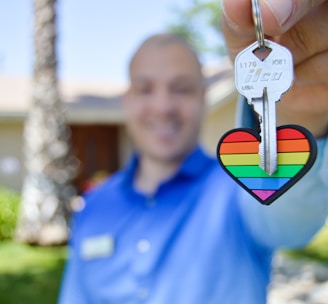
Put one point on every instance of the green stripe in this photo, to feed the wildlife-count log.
(256, 171)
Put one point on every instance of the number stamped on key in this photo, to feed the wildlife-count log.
(274, 71)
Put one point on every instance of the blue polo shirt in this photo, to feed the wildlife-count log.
(198, 239)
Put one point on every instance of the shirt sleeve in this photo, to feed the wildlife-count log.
(293, 219)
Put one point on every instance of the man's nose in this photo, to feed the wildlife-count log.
(163, 101)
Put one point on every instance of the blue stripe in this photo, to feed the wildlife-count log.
(270, 183)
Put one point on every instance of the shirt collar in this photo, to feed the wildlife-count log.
(193, 165)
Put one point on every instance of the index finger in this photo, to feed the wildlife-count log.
(277, 15)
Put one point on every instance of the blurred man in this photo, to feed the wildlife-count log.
(172, 227)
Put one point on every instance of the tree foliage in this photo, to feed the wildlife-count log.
(199, 24)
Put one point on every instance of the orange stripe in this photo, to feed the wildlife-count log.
(297, 145)
(239, 147)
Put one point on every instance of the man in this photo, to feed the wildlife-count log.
(172, 227)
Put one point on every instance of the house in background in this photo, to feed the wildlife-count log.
(94, 115)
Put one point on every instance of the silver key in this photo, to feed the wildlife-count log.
(262, 76)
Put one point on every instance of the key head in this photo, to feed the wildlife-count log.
(271, 69)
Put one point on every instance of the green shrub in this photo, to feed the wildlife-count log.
(9, 202)
(318, 248)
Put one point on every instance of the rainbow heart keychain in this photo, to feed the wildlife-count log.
(266, 164)
(238, 155)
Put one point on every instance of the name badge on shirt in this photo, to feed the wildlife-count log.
(99, 246)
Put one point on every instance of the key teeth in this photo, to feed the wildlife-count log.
(268, 169)
(262, 157)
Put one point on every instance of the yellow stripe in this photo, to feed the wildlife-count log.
(240, 159)
(297, 158)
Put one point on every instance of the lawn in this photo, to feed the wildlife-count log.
(30, 274)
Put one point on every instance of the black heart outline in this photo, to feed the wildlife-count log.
(295, 179)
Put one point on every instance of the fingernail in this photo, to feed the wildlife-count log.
(282, 9)
(231, 24)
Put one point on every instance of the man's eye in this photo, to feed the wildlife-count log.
(142, 90)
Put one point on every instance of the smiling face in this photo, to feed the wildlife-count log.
(164, 104)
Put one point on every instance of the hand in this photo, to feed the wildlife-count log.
(302, 27)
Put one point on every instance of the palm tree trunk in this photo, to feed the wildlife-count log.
(50, 167)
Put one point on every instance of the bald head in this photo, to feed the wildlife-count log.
(165, 40)
(165, 101)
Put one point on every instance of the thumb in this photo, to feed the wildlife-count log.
(287, 12)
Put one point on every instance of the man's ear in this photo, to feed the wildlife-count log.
(204, 92)
(125, 98)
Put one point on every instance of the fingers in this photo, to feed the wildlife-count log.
(278, 16)
(286, 13)
(312, 71)
(307, 106)
(238, 27)
(309, 36)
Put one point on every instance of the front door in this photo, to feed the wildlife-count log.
(97, 148)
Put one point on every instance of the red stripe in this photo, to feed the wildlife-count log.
(239, 136)
(290, 134)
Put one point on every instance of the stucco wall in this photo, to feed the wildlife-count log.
(216, 122)
(11, 158)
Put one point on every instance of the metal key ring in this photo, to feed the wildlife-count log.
(257, 18)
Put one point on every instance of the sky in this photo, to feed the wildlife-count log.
(95, 37)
